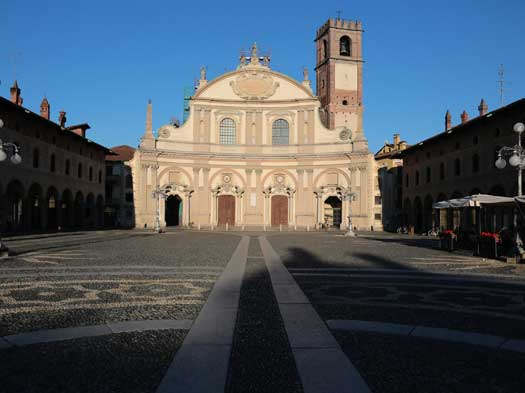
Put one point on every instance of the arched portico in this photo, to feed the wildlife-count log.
(52, 208)
(15, 207)
(35, 202)
(66, 209)
(79, 210)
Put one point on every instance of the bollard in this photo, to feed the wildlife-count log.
(199, 226)
(242, 228)
(295, 228)
(308, 228)
(280, 227)
(226, 227)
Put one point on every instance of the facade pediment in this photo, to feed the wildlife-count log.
(253, 84)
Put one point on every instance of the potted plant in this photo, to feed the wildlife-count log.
(447, 240)
(489, 245)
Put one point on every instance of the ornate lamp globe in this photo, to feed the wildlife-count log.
(3, 154)
(519, 127)
(1, 123)
(514, 160)
(501, 163)
(16, 158)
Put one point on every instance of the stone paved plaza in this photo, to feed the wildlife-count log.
(130, 311)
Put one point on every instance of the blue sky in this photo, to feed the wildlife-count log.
(101, 61)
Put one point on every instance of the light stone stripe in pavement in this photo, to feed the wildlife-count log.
(201, 363)
(451, 335)
(508, 279)
(176, 273)
(52, 335)
(322, 365)
(105, 267)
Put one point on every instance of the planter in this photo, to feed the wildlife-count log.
(447, 243)
(489, 248)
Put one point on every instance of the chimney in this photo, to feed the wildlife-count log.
(15, 94)
(448, 121)
(397, 139)
(464, 117)
(62, 119)
(79, 129)
(483, 108)
(44, 108)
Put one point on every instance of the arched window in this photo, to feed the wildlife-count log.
(345, 46)
(100, 176)
(68, 167)
(52, 163)
(227, 132)
(417, 178)
(475, 163)
(79, 171)
(90, 173)
(36, 158)
(442, 171)
(429, 174)
(325, 49)
(280, 132)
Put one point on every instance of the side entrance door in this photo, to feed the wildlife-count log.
(279, 210)
(226, 210)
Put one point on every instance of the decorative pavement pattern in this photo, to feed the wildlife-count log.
(301, 312)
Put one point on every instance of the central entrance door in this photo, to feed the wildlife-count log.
(173, 211)
(279, 210)
(226, 210)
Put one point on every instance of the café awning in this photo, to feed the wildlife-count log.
(477, 200)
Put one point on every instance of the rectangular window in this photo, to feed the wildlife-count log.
(377, 199)
(377, 216)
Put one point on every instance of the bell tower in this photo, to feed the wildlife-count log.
(339, 75)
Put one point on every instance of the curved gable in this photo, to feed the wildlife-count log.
(254, 85)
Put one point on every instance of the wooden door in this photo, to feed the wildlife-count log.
(226, 210)
(279, 210)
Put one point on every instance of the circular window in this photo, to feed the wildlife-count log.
(345, 102)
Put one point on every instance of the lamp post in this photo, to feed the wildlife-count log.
(159, 193)
(516, 158)
(16, 159)
(350, 197)
(515, 155)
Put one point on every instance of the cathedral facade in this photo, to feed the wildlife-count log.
(259, 148)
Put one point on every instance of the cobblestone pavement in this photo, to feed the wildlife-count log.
(397, 279)
(109, 311)
(94, 280)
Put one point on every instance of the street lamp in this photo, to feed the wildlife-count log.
(159, 193)
(350, 197)
(515, 155)
(16, 159)
(516, 158)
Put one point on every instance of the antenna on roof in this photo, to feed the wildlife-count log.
(501, 83)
